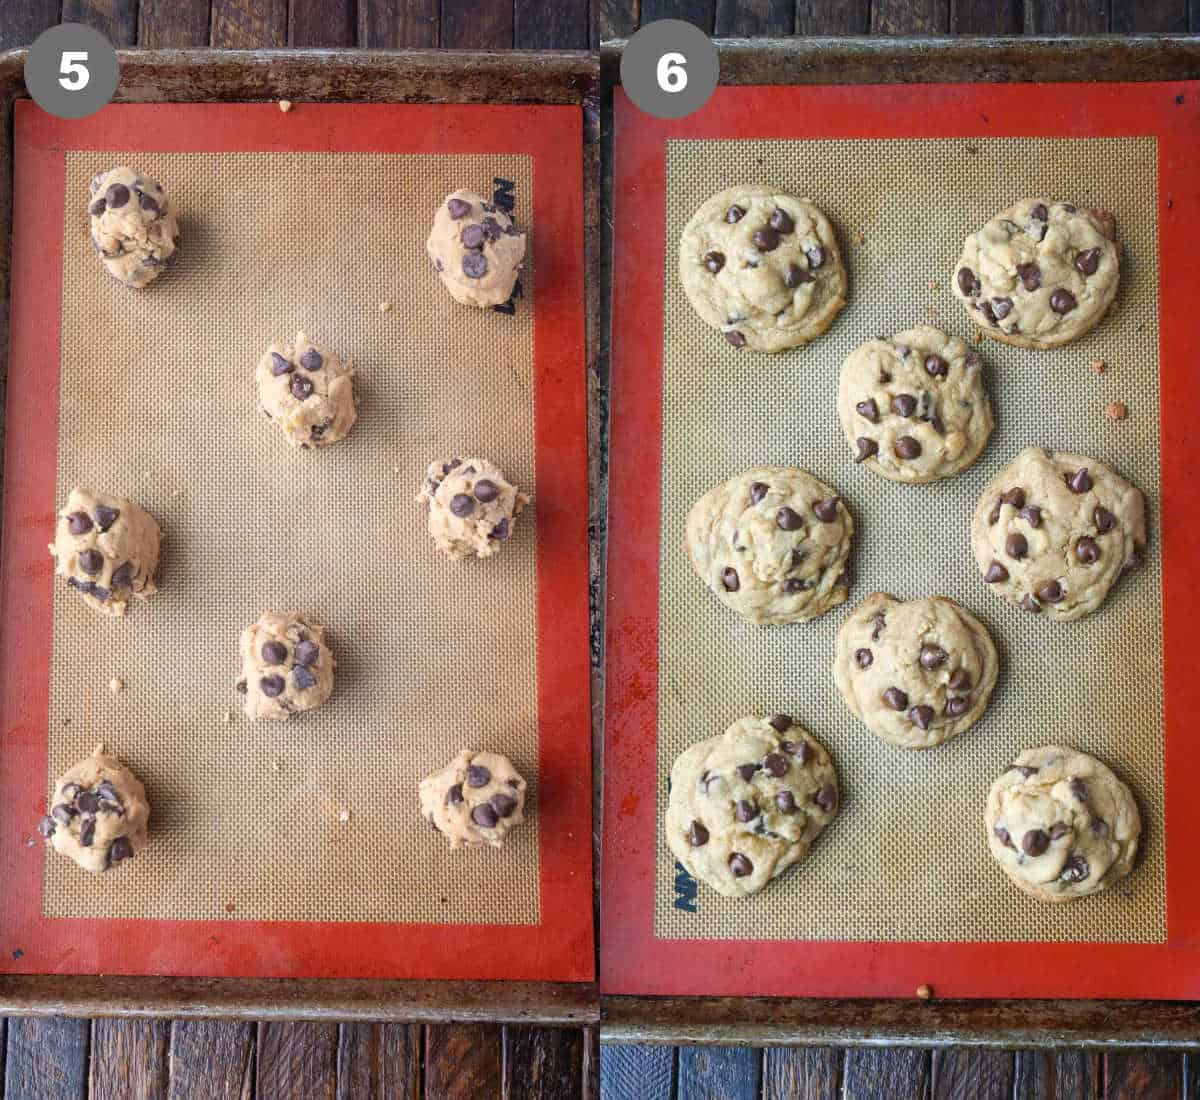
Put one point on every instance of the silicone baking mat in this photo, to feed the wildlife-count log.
(901, 889)
(297, 848)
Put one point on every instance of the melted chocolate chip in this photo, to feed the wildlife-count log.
(120, 849)
(1078, 482)
(788, 520)
(985, 308)
(714, 261)
(826, 797)
(1030, 276)
(866, 448)
(1035, 842)
(729, 579)
(907, 447)
(79, 523)
(781, 222)
(697, 835)
(868, 410)
(745, 811)
(740, 866)
(960, 681)
(758, 490)
(936, 366)
(87, 831)
(746, 771)
(454, 795)
(271, 686)
(1062, 301)
(62, 813)
(1087, 551)
(921, 716)
(904, 404)
(1050, 592)
(122, 576)
(1075, 869)
(1079, 789)
(735, 214)
(1086, 264)
(1016, 545)
(1001, 308)
(1040, 212)
(1014, 496)
(931, 656)
(816, 256)
(766, 239)
(995, 573)
(863, 658)
(785, 802)
(780, 723)
(826, 510)
(500, 531)
(1032, 515)
(735, 338)
(802, 750)
(966, 281)
(895, 698)
(776, 765)
(1028, 603)
(1002, 835)
(796, 276)
(1059, 829)
(956, 706)
(1104, 520)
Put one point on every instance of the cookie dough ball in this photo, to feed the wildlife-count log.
(1061, 824)
(747, 805)
(475, 799)
(1040, 273)
(763, 267)
(916, 673)
(98, 814)
(307, 392)
(772, 544)
(914, 407)
(472, 506)
(477, 250)
(133, 225)
(1054, 530)
(107, 549)
(287, 666)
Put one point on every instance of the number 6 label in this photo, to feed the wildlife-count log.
(71, 71)
(74, 69)
(672, 76)
(669, 68)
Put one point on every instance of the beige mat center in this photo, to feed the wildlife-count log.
(907, 857)
(157, 402)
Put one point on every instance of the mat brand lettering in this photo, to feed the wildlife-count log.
(685, 889)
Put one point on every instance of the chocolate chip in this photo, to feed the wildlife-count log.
(271, 686)
(956, 706)
(87, 831)
(478, 776)
(866, 448)
(457, 208)
(300, 387)
(935, 422)
(931, 656)
(766, 239)
(1035, 842)
(868, 410)
(311, 360)
(1100, 828)
(896, 699)
(921, 716)
(1030, 276)
(802, 750)
(973, 360)
(79, 523)
(1016, 545)
(960, 681)
(500, 531)
(1001, 308)
(474, 265)
(307, 653)
(122, 576)
(907, 447)
(1075, 869)
(826, 510)
(780, 723)
(793, 586)
(729, 579)
(878, 622)
(995, 573)
(1002, 834)
(1059, 829)
(1086, 264)
(302, 678)
(966, 281)
(1079, 481)
(1062, 301)
(91, 561)
(97, 208)
(484, 816)
(826, 797)
(735, 214)
(863, 658)
(461, 505)
(106, 516)
(1028, 603)
(485, 490)
(735, 338)
(758, 490)
(46, 827)
(87, 802)
(472, 236)
(1087, 551)
(714, 261)
(454, 795)
(1104, 520)
(1079, 789)
(785, 802)
(120, 849)
(816, 256)
(1050, 592)
(781, 221)
(1040, 212)
(697, 835)
(936, 366)
(100, 593)
(503, 804)
(776, 765)
(1032, 515)
(986, 309)
(746, 771)
(280, 365)
(491, 229)
(796, 276)
(745, 811)
(740, 865)
(274, 653)
(117, 196)
(240, 687)
(62, 813)
(788, 520)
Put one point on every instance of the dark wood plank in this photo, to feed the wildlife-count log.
(297, 1061)
(322, 23)
(542, 1063)
(699, 12)
(803, 1073)
(468, 25)
(617, 18)
(550, 24)
(754, 18)
(129, 1060)
(385, 24)
(986, 16)
(1062, 1074)
(115, 19)
(1143, 1075)
(1148, 16)
(24, 20)
(910, 16)
(173, 22)
(719, 1073)
(963, 1073)
(212, 1060)
(463, 1061)
(47, 1059)
(591, 1064)
(822, 17)
(379, 1062)
(249, 24)
(1066, 16)
(872, 1074)
(1191, 1077)
(647, 1072)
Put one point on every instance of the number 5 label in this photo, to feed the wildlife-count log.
(74, 69)
(672, 76)
(71, 71)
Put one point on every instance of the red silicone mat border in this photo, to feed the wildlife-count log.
(633, 959)
(561, 947)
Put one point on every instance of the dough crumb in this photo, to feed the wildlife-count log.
(1098, 366)
(935, 284)
(1116, 410)
(925, 992)
(344, 816)
(228, 716)
(285, 105)
(385, 307)
(858, 238)
(116, 684)
(275, 765)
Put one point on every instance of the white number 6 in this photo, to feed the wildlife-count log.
(672, 77)
(75, 75)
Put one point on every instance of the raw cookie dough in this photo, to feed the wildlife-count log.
(747, 805)
(772, 544)
(1061, 824)
(133, 225)
(107, 548)
(475, 799)
(916, 673)
(287, 666)
(914, 407)
(763, 267)
(98, 814)
(472, 506)
(1040, 273)
(1053, 531)
(308, 392)
(477, 250)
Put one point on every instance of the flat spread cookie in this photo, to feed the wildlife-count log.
(1061, 824)
(472, 507)
(747, 805)
(476, 249)
(133, 225)
(98, 815)
(763, 267)
(107, 549)
(772, 544)
(287, 666)
(916, 673)
(475, 799)
(1040, 273)
(1053, 531)
(914, 407)
(307, 392)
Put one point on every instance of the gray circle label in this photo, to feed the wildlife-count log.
(669, 68)
(71, 71)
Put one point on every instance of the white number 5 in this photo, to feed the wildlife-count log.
(672, 77)
(75, 75)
